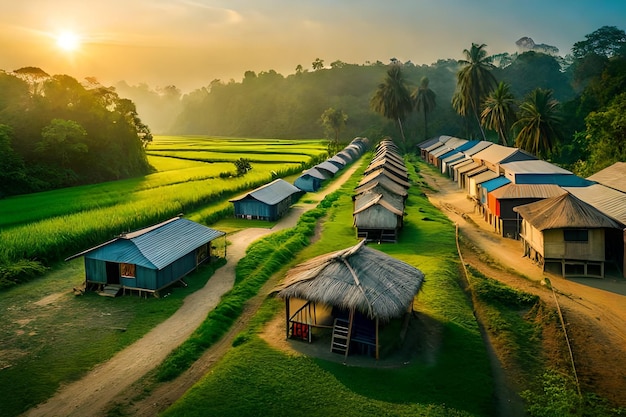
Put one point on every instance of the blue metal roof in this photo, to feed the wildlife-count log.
(494, 183)
(563, 180)
(272, 193)
(155, 247)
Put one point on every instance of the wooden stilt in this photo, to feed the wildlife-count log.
(351, 321)
(287, 318)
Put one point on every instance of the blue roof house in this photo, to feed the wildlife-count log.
(268, 202)
(150, 259)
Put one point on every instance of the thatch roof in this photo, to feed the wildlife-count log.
(563, 212)
(359, 278)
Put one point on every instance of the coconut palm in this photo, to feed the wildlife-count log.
(539, 123)
(499, 112)
(474, 82)
(392, 98)
(424, 99)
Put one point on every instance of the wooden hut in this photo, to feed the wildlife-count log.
(377, 218)
(566, 231)
(148, 260)
(268, 202)
(311, 179)
(361, 289)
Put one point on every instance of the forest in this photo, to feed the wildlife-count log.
(57, 132)
(579, 95)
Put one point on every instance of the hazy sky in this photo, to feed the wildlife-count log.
(188, 43)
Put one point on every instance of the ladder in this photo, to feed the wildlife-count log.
(341, 336)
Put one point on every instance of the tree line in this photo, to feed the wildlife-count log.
(586, 133)
(56, 132)
(495, 97)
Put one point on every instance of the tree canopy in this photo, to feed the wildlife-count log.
(56, 132)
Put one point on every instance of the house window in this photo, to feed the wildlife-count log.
(127, 270)
(576, 235)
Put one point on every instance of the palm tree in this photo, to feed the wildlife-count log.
(424, 99)
(392, 99)
(499, 112)
(474, 82)
(539, 123)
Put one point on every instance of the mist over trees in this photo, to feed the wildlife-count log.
(56, 132)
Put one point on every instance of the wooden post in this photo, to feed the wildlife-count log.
(287, 318)
(350, 321)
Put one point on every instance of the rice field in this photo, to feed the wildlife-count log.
(51, 225)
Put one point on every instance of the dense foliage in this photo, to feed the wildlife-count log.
(56, 132)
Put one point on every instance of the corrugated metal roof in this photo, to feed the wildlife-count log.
(328, 166)
(533, 166)
(563, 180)
(512, 191)
(564, 211)
(345, 156)
(450, 145)
(434, 146)
(390, 186)
(387, 161)
(451, 156)
(494, 153)
(157, 246)
(468, 167)
(399, 172)
(428, 142)
(494, 183)
(366, 200)
(383, 173)
(272, 193)
(609, 201)
(338, 161)
(613, 176)
(460, 162)
(483, 144)
(484, 176)
(475, 171)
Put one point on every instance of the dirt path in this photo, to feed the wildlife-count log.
(594, 309)
(91, 395)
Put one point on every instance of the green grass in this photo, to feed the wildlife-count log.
(45, 345)
(47, 227)
(254, 378)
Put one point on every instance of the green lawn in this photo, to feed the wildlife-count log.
(256, 379)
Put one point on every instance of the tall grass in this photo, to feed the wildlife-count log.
(40, 229)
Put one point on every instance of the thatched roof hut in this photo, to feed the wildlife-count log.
(360, 280)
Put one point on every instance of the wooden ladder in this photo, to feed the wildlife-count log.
(341, 336)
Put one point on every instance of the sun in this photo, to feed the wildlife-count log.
(68, 41)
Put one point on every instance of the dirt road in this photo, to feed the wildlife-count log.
(90, 395)
(594, 309)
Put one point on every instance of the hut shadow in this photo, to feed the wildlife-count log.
(421, 345)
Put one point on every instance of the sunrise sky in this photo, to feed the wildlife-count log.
(188, 43)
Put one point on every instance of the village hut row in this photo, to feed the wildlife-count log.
(313, 178)
(379, 199)
(501, 180)
(351, 294)
(149, 260)
(272, 201)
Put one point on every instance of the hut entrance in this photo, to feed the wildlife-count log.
(113, 273)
